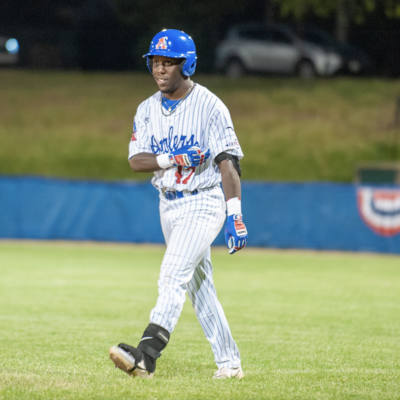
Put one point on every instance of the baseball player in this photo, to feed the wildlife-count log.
(184, 134)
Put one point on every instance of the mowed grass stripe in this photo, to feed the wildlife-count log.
(309, 325)
(78, 125)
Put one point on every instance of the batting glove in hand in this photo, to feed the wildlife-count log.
(235, 233)
(189, 156)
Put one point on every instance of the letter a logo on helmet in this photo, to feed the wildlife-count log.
(162, 43)
(175, 44)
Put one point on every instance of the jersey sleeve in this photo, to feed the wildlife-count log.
(222, 135)
(140, 141)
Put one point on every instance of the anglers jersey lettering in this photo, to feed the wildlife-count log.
(171, 143)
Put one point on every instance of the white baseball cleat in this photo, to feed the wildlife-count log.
(225, 373)
(125, 361)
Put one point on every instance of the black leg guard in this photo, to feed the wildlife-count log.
(155, 338)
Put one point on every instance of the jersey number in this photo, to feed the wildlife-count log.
(179, 176)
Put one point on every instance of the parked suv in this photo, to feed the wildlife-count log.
(259, 47)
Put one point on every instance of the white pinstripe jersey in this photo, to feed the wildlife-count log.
(201, 119)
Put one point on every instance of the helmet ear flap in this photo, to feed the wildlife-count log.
(189, 66)
(150, 64)
(181, 65)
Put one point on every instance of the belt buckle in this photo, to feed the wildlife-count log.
(170, 194)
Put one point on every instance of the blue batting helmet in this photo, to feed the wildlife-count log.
(175, 44)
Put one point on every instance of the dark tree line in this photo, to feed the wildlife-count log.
(215, 15)
(345, 12)
(127, 25)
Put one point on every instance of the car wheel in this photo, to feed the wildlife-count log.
(306, 70)
(235, 69)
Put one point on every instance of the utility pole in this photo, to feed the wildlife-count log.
(269, 11)
(342, 20)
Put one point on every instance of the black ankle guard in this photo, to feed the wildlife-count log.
(155, 339)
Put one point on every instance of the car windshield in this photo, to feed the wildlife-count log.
(255, 33)
(263, 33)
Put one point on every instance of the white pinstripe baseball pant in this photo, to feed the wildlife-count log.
(190, 225)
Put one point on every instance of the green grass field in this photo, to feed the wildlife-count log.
(309, 325)
(78, 125)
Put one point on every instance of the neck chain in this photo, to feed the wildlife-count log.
(179, 101)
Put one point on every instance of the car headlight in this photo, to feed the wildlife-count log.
(335, 60)
(12, 46)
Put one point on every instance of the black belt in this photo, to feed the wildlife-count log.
(177, 194)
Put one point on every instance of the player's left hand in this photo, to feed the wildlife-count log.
(235, 233)
(201, 157)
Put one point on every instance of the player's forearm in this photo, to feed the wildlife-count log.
(144, 162)
(230, 180)
(235, 230)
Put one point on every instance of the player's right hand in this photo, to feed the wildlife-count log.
(235, 233)
(189, 156)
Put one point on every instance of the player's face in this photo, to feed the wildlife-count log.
(168, 77)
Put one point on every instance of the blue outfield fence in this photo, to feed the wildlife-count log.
(324, 216)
